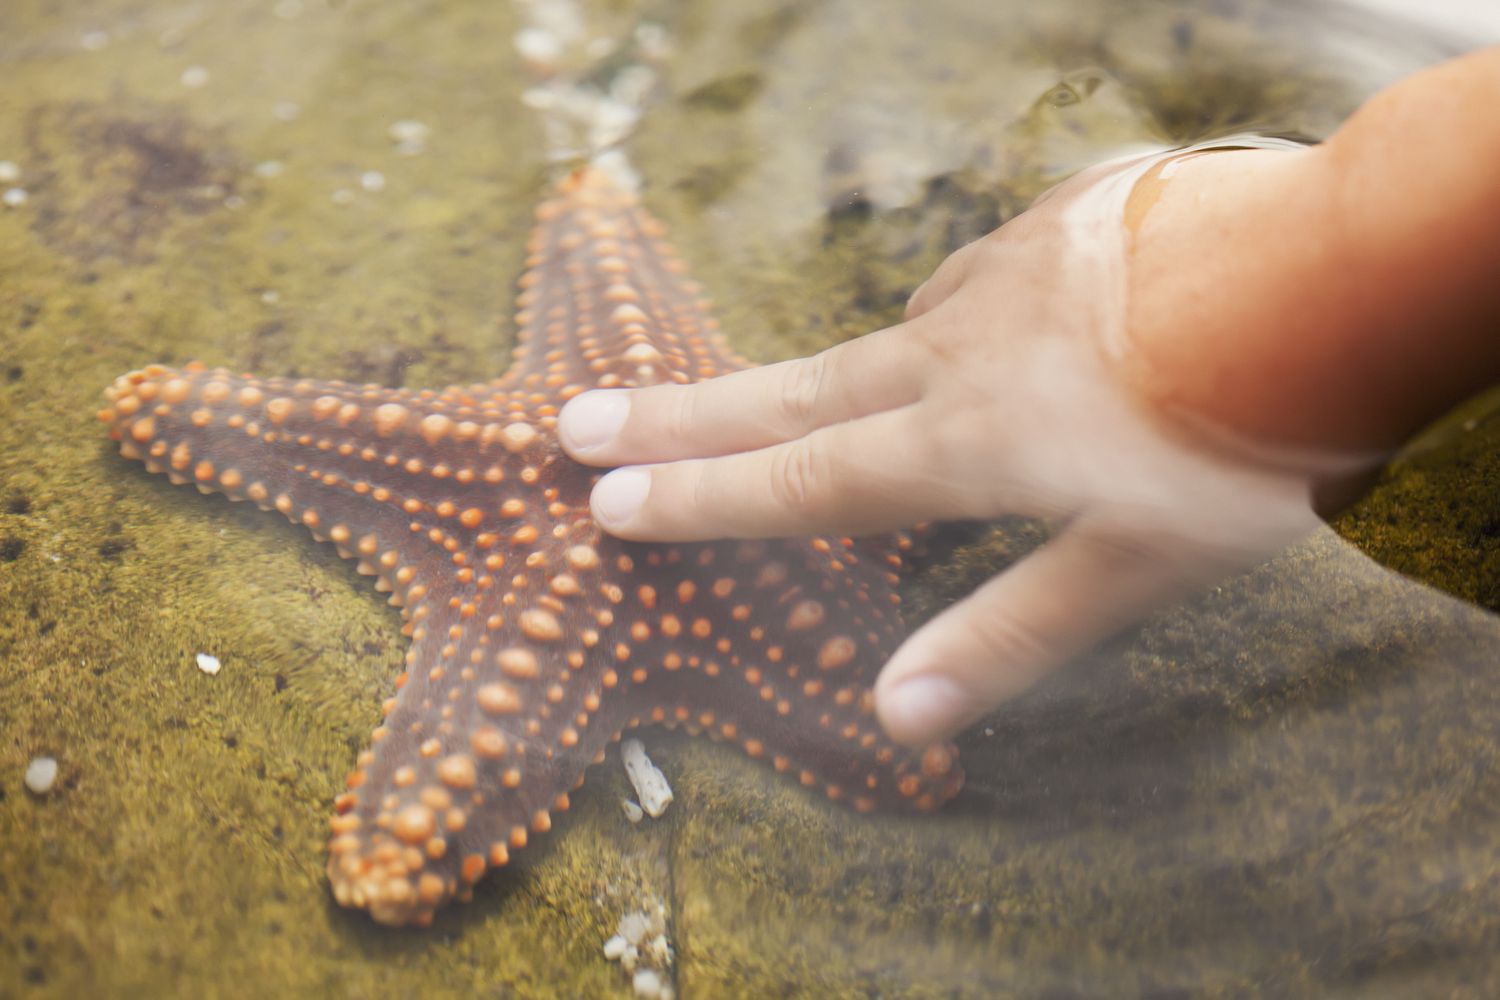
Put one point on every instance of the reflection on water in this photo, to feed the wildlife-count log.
(1286, 786)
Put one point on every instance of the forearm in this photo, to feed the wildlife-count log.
(1337, 298)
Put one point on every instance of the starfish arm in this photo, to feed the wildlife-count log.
(605, 301)
(401, 480)
(260, 441)
(453, 515)
(775, 646)
(489, 731)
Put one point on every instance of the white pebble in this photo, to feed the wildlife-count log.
(408, 130)
(40, 774)
(617, 165)
(650, 784)
(93, 41)
(539, 98)
(208, 664)
(647, 983)
(653, 40)
(615, 947)
(194, 77)
(633, 927)
(560, 18)
(10, 172)
(343, 196)
(270, 168)
(538, 47)
(633, 812)
(632, 85)
(372, 180)
(286, 111)
(270, 296)
(611, 122)
(15, 197)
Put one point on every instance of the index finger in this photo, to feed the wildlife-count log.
(744, 410)
(857, 477)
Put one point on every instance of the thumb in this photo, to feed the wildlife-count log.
(1075, 591)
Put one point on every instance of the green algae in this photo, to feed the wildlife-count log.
(1286, 786)
(1434, 516)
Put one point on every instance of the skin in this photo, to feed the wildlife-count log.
(1288, 319)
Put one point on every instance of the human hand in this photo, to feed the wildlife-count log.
(1001, 393)
(1167, 359)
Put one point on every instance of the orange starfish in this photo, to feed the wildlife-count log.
(536, 638)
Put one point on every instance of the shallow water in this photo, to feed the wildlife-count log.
(1287, 786)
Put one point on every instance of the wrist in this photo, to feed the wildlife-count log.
(1337, 298)
(1251, 310)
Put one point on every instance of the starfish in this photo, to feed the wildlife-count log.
(536, 639)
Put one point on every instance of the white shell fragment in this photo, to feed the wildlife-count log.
(634, 927)
(647, 983)
(41, 773)
(208, 664)
(590, 87)
(640, 946)
(409, 135)
(538, 46)
(650, 784)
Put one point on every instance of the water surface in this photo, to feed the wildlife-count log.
(1285, 787)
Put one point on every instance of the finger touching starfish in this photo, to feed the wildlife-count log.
(536, 639)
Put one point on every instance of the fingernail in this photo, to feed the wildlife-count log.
(618, 496)
(592, 419)
(925, 708)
